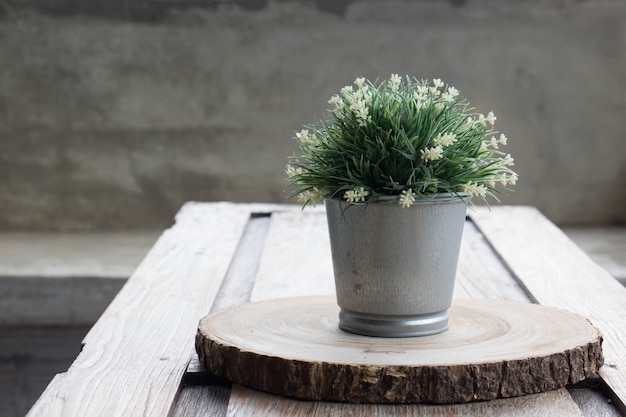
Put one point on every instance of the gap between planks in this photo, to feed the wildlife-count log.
(567, 278)
(236, 286)
(239, 280)
(135, 356)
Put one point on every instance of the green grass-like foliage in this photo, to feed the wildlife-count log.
(407, 138)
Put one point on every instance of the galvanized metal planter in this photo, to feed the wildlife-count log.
(395, 267)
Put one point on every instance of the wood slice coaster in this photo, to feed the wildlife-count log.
(493, 349)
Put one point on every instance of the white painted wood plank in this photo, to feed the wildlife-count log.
(250, 403)
(558, 273)
(135, 356)
(296, 259)
(480, 273)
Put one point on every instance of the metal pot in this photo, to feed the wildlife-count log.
(395, 267)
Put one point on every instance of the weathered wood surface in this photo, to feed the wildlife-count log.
(481, 275)
(201, 401)
(251, 403)
(135, 356)
(296, 258)
(176, 285)
(558, 273)
(493, 349)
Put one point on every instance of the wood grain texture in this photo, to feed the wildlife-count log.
(494, 349)
(480, 273)
(593, 402)
(134, 358)
(558, 273)
(251, 403)
(304, 259)
(296, 259)
(128, 367)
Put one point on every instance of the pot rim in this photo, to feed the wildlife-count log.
(393, 199)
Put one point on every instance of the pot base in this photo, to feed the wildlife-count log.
(393, 326)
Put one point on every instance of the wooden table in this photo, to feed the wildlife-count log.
(139, 358)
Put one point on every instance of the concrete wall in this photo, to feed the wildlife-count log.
(112, 114)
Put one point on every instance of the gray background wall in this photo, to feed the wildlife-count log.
(113, 113)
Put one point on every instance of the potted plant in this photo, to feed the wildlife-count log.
(397, 163)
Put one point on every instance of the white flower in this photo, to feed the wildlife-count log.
(447, 97)
(347, 92)
(473, 188)
(303, 198)
(335, 101)
(439, 107)
(434, 91)
(293, 171)
(453, 91)
(407, 198)
(492, 143)
(446, 139)
(359, 82)
(419, 99)
(306, 138)
(482, 120)
(508, 161)
(437, 83)
(431, 154)
(361, 111)
(508, 179)
(502, 139)
(360, 193)
(358, 106)
(356, 195)
(421, 89)
(469, 122)
(363, 94)
(419, 96)
(394, 82)
(310, 197)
